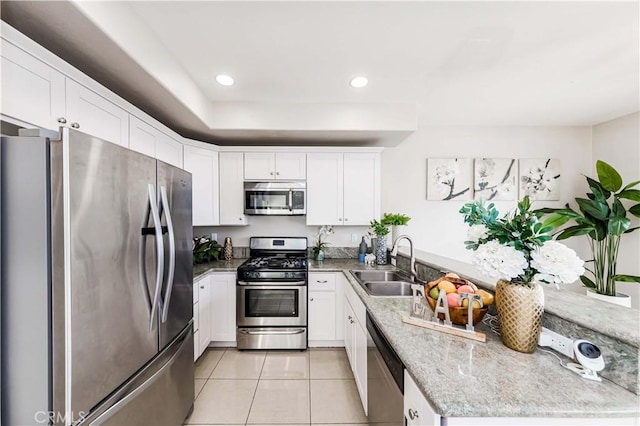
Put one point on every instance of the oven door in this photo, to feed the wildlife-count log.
(271, 304)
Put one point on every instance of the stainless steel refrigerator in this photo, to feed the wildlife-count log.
(96, 284)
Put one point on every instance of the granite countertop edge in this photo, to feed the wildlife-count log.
(452, 401)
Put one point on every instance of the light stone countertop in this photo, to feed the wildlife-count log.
(463, 378)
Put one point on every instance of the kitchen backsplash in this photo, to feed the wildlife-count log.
(329, 252)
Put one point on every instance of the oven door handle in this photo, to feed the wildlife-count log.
(290, 200)
(280, 332)
(285, 283)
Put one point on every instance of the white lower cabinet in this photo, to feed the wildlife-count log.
(417, 410)
(355, 340)
(223, 307)
(326, 300)
(204, 313)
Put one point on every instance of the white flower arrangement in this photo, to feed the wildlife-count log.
(518, 246)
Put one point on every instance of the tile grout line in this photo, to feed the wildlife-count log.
(255, 391)
(217, 363)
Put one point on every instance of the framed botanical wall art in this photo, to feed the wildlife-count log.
(495, 179)
(540, 178)
(449, 179)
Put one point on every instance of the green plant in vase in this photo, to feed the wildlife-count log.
(378, 233)
(603, 218)
(205, 250)
(395, 221)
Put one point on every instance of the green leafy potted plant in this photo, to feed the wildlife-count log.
(378, 233)
(205, 250)
(397, 221)
(320, 245)
(604, 220)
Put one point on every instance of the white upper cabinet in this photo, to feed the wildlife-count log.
(278, 165)
(148, 140)
(203, 166)
(343, 189)
(95, 115)
(32, 91)
(361, 188)
(325, 188)
(232, 189)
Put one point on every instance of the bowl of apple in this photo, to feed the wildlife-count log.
(454, 286)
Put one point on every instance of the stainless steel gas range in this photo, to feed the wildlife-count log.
(272, 295)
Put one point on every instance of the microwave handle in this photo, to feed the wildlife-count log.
(290, 200)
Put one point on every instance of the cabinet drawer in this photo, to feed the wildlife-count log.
(322, 281)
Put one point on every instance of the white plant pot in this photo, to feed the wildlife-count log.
(618, 299)
(396, 231)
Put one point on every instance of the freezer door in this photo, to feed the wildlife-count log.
(106, 196)
(176, 301)
(160, 395)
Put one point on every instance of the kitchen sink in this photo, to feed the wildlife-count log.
(388, 288)
(384, 283)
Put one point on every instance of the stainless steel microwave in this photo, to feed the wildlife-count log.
(275, 198)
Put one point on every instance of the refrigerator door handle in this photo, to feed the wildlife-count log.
(142, 259)
(159, 251)
(172, 252)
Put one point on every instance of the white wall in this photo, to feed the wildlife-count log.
(283, 226)
(618, 143)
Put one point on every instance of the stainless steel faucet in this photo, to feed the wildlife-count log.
(394, 254)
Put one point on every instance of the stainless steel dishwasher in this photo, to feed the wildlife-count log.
(385, 379)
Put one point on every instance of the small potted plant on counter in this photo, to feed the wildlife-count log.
(604, 220)
(398, 223)
(320, 245)
(205, 250)
(378, 233)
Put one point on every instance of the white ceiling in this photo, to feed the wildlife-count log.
(454, 63)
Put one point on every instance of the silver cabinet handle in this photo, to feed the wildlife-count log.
(271, 173)
(75, 125)
(349, 317)
(339, 219)
(346, 219)
(202, 287)
(159, 251)
(240, 219)
(413, 414)
(277, 173)
(351, 321)
(321, 282)
(311, 300)
(62, 120)
(172, 251)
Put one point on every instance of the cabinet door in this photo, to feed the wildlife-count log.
(259, 165)
(417, 410)
(204, 312)
(142, 137)
(232, 189)
(32, 91)
(360, 374)
(202, 164)
(96, 116)
(322, 315)
(361, 188)
(324, 189)
(169, 150)
(223, 307)
(291, 166)
(349, 341)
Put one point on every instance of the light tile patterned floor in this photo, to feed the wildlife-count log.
(275, 388)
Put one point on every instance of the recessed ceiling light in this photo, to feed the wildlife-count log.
(359, 82)
(225, 80)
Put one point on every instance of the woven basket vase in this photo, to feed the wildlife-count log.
(520, 306)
